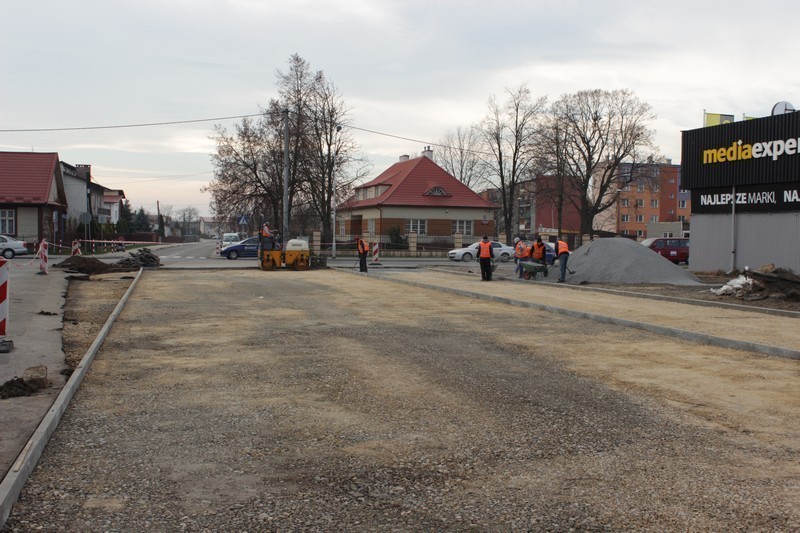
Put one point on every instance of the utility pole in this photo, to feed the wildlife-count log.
(285, 229)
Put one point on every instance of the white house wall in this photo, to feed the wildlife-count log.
(760, 239)
(27, 223)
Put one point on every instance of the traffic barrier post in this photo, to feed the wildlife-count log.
(376, 260)
(43, 257)
(5, 344)
(76, 247)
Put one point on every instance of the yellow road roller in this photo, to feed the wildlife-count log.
(295, 255)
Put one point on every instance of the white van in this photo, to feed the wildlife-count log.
(230, 238)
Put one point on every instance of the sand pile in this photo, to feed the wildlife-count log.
(620, 260)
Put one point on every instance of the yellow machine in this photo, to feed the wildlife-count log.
(296, 255)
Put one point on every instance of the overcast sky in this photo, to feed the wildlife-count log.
(409, 68)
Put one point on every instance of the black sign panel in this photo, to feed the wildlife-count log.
(749, 199)
(748, 152)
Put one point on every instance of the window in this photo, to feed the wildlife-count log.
(681, 218)
(639, 233)
(463, 227)
(418, 226)
(7, 222)
(681, 204)
(640, 187)
(436, 191)
(653, 218)
(625, 218)
(625, 202)
(656, 187)
(627, 187)
(639, 218)
(671, 196)
(653, 203)
(371, 226)
(640, 202)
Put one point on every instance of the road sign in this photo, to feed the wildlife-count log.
(243, 220)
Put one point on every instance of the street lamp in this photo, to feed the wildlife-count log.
(333, 198)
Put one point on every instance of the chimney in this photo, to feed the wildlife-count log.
(427, 152)
(404, 157)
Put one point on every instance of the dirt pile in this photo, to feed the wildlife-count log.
(90, 265)
(620, 260)
(766, 282)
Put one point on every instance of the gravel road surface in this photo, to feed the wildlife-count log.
(323, 400)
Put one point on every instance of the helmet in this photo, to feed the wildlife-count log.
(516, 240)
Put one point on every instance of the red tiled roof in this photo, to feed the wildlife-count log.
(26, 177)
(420, 182)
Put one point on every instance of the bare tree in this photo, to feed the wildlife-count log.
(459, 154)
(508, 133)
(186, 217)
(604, 133)
(250, 163)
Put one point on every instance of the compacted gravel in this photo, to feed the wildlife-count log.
(328, 401)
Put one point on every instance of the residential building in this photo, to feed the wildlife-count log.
(33, 203)
(415, 197)
(653, 196)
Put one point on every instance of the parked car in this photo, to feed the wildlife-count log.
(245, 248)
(230, 238)
(10, 247)
(676, 249)
(501, 252)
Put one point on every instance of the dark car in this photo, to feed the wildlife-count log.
(245, 248)
(676, 249)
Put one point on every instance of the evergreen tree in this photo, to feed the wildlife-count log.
(141, 223)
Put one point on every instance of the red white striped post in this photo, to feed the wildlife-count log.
(5, 344)
(43, 257)
(3, 297)
(76, 247)
(376, 259)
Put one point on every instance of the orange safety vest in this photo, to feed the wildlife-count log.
(265, 231)
(538, 250)
(362, 246)
(484, 250)
(521, 251)
(561, 248)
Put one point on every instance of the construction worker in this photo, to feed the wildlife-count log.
(562, 253)
(363, 250)
(522, 254)
(538, 252)
(485, 255)
(267, 242)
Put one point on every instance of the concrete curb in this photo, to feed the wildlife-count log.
(661, 330)
(22, 468)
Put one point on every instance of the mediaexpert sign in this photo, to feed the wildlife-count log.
(747, 199)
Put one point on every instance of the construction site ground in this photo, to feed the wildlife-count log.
(327, 400)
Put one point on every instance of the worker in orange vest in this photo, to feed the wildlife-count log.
(363, 250)
(267, 241)
(538, 250)
(485, 256)
(562, 253)
(522, 254)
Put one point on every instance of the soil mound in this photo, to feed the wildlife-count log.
(621, 260)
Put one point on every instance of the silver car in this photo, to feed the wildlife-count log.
(501, 252)
(10, 247)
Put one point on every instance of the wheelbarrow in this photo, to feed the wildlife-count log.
(531, 268)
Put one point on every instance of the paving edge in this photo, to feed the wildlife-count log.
(683, 334)
(18, 474)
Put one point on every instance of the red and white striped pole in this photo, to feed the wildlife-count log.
(76, 247)
(43, 257)
(376, 259)
(5, 344)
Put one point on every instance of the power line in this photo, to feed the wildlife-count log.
(120, 126)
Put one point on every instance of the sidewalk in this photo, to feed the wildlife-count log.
(35, 314)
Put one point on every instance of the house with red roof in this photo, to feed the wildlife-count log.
(32, 199)
(415, 197)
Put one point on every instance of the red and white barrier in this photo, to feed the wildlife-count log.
(76, 248)
(3, 297)
(43, 257)
(376, 259)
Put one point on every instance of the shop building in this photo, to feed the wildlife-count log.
(744, 179)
